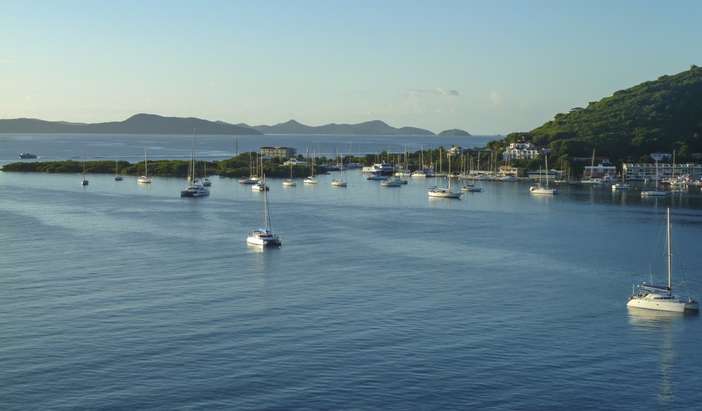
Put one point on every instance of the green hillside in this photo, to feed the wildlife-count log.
(660, 115)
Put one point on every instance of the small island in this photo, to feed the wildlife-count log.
(454, 132)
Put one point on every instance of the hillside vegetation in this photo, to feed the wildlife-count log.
(660, 115)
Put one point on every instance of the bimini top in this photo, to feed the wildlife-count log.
(655, 287)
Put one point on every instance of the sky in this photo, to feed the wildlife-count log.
(489, 67)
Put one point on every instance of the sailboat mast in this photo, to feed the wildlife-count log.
(146, 165)
(266, 217)
(670, 253)
(546, 156)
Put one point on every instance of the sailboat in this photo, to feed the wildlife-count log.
(289, 182)
(444, 192)
(260, 185)
(590, 179)
(252, 178)
(656, 192)
(83, 180)
(623, 185)
(339, 182)
(205, 181)
(145, 179)
(118, 177)
(264, 237)
(195, 187)
(311, 179)
(660, 297)
(538, 189)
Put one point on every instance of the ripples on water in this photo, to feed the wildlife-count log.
(120, 296)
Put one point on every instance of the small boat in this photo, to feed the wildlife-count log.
(289, 182)
(376, 177)
(339, 182)
(252, 178)
(660, 297)
(470, 188)
(27, 156)
(655, 193)
(83, 181)
(264, 237)
(205, 181)
(311, 179)
(538, 189)
(145, 179)
(260, 186)
(248, 180)
(620, 186)
(117, 176)
(391, 182)
(444, 192)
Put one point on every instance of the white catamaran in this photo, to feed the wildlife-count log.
(195, 187)
(264, 237)
(660, 297)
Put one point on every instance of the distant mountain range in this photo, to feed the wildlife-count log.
(374, 127)
(136, 124)
(155, 124)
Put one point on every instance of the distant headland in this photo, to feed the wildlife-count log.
(155, 124)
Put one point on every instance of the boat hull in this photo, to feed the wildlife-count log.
(676, 306)
(263, 242)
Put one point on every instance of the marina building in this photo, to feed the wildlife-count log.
(520, 151)
(604, 169)
(647, 171)
(277, 152)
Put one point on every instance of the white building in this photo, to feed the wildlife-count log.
(601, 170)
(647, 171)
(521, 151)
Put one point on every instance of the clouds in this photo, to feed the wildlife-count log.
(496, 98)
(433, 92)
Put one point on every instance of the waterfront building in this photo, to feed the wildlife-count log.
(511, 171)
(277, 152)
(602, 170)
(521, 151)
(647, 171)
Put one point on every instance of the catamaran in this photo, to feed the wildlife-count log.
(145, 179)
(264, 237)
(195, 187)
(660, 297)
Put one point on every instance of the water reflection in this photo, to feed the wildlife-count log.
(664, 323)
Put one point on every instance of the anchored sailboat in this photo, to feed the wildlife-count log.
(660, 297)
(264, 237)
(145, 179)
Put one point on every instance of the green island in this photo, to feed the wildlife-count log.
(662, 115)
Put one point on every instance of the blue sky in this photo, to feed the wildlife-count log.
(487, 67)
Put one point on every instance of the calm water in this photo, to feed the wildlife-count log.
(120, 296)
(131, 147)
